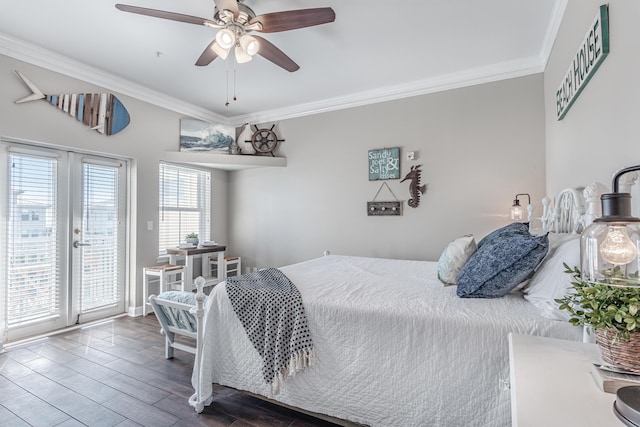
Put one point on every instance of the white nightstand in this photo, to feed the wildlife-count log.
(551, 384)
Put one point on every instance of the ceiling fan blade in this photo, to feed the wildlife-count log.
(230, 5)
(207, 55)
(294, 19)
(165, 15)
(269, 51)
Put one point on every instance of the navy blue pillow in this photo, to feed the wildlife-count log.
(508, 258)
(515, 228)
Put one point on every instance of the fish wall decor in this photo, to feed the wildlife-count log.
(102, 112)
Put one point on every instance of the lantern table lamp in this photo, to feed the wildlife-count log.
(609, 250)
(609, 247)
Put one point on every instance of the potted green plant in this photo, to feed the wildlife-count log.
(612, 312)
(192, 238)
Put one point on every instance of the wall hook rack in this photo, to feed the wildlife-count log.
(392, 208)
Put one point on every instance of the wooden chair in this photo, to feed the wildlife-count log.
(232, 266)
(166, 275)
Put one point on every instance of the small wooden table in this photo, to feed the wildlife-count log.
(200, 252)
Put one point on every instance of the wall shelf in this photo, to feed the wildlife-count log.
(224, 161)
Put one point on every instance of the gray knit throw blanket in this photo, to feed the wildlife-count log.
(270, 308)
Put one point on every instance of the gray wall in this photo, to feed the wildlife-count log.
(478, 147)
(599, 134)
(152, 132)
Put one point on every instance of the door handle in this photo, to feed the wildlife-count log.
(77, 244)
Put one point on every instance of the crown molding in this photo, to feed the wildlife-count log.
(496, 72)
(552, 30)
(52, 61)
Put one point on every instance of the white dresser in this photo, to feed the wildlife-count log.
(551, 384)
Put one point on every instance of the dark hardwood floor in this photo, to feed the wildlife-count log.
(115, 374)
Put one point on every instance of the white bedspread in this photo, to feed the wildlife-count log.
(394, 346)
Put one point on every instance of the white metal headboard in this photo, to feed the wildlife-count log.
(568, 211)
(574, 209)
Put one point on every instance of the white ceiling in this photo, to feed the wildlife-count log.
(430, 46)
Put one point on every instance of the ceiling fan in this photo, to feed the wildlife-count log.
(236, 21)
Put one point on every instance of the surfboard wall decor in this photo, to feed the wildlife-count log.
(102, 112)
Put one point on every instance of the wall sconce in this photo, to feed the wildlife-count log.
(517, 211)
(609, 247)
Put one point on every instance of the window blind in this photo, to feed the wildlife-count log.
(100, 266)
(185, 204)
(32, 272)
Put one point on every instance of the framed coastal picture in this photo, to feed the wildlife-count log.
(197, 135)
(384, 164)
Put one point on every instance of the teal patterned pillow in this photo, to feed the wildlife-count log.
(502, 262)
(181, 297)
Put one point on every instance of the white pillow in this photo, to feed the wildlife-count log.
(557, 239)
(454, 257)
(550, 281)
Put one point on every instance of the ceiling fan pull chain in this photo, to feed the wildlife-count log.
(235, 98)
(226, 104)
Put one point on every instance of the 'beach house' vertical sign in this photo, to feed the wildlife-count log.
(592, 51)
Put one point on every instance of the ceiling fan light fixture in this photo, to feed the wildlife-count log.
(250, 44)
(221, 52)
(235, 20)
(242, 56)
(225, 38)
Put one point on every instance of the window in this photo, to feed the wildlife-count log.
(185, 204)
(33, 263)
(100, 228)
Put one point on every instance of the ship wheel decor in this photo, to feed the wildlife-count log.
(265, 140)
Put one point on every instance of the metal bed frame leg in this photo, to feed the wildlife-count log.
(198, 312)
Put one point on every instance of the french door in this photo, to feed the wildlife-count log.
(64, 252)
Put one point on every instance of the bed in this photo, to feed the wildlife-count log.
(393, 344)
